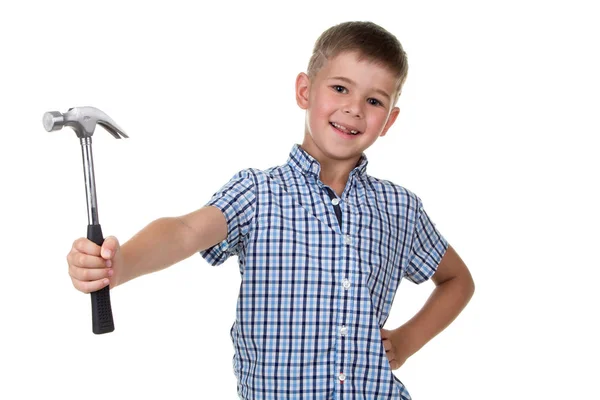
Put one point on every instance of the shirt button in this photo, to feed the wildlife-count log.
(347, 239)
(342, 377)
(343, 330)
(335, 202)
(346, 284)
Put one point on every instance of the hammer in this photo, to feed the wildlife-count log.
(83, 121)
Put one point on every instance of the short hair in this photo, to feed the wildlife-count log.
(371, 41)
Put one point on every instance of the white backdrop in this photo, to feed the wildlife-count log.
(498, 134)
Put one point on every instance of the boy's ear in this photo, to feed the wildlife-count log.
(302, 90)
(393, 115)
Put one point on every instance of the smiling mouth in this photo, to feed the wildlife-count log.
(342, 128)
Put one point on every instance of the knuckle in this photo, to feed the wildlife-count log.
(79, 286)
(77, 243)
(83, 274)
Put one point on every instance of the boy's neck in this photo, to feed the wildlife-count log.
(334, 173)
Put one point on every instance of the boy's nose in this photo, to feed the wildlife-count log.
(353, 109)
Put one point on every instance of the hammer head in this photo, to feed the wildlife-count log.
(83, 121)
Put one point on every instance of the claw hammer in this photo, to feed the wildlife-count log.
(83, 121)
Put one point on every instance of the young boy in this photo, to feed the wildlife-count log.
(322, 246)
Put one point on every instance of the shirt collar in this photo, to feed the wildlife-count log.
(305, 163)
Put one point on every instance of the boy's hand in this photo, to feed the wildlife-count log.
(397, 353)
(91, 268)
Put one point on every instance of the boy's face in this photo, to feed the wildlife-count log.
(346, 95)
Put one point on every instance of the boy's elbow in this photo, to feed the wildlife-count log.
(466, 282)
(470, 285)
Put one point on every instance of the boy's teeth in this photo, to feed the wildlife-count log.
(342, 128)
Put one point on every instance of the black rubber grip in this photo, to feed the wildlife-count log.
(102, 318)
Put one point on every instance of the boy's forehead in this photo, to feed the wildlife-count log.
(347, 65)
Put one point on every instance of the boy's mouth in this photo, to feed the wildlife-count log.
(345, 129)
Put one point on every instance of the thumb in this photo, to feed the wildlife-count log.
(109, 247)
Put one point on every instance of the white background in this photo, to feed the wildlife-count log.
(498, 134)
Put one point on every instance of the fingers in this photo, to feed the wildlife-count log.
(391, 356)
(82, 260)
(90, 286)
(89, 280)
(89, 272)
(394, 363)
(109, 247)
(387, 344)
(86, 246)
(390, 353)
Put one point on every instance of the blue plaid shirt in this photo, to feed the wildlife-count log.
(319, 274)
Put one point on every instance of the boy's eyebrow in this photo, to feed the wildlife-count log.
(350, 81)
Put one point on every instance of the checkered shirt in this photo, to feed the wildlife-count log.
(318, 277)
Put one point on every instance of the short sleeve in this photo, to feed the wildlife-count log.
(237, 201)
(427, 249)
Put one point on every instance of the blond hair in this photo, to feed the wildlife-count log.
(369, 40)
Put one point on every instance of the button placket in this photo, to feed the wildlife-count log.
(343, 329)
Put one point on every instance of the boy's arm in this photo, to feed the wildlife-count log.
(169, 240)
(454, 288)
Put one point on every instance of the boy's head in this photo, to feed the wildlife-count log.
(350, 91)
(369, 41)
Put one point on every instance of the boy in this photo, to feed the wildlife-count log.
(322, 246)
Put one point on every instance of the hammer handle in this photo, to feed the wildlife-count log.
(102, 319)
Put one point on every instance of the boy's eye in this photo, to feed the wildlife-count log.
(339, 88)
(342, 89)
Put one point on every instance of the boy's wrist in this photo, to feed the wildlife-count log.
(405, 339)
(119, 274)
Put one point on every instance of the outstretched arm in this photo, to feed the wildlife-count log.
(167, 241)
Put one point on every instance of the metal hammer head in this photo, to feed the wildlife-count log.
(83, 121)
